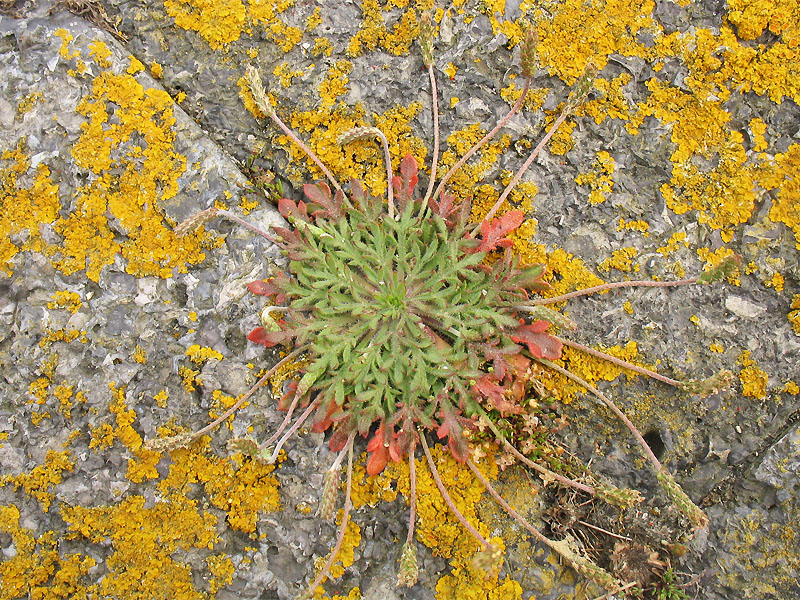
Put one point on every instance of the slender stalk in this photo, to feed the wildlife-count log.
(512, 184)
(484, 140)
(535, 466)
(620, 363)
(412, 501)
(300, 420)
(547, 472)
(239, 221)
(389, 175)
(448, 500)
(603, 287)
(261, 100)
(506, 506)
(435, 159)
(249, 393)
(343, 527)
(607, 401)
(601, 530)
(284, 423)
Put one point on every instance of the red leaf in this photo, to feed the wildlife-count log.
(320, 194)
(377, 460)
(288, 208)
(494, 233)
(339, 438)
(405, 183)
(263, 287)
(539, 343)
(259, 335)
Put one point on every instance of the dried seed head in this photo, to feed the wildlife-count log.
(257, 89)
(715, 384)
(194, 222)
(622, 497)
(582, 86)
(173, 442)
(425, 38)
(528, 58)
(408, 574)
(358, 133)
(489, 560)
(330, 491)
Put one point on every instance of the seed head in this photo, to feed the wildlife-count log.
(330, 491)
(195, 222)
(425, 39)
(582, 86)
(528, 58)
(409, 570)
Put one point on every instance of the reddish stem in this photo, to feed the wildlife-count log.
(448, 500)
(619, 362)
(608, 286)
(249, 393)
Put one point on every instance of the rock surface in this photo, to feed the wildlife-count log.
(113, 328)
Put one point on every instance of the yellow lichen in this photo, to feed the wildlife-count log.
(753, 379)
(40, 479)
(599, 178)
(65, 299)
(200, 354)
(794, 314)
(621, 259)
(219, 22)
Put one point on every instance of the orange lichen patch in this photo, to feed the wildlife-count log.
(145, 542)
(37, 569)
(28, 102)
(621, 260)
(639, 225)
(374, 32)
(675, 241)
(24, 209)
(784, 175)
(219, 22)
(600, 178)
(190, 378)
(567, 44)
(241, 487)
(790, 387)
(222, 569)
(335, 83)
(610, 102)
(61, 335)
(753, 379)
(40, 479)
(221, 402)
(123, 114)
(752, 17)
(511, 93)
(201, 354)
(100, 54)
(464, 182)
(285, 74)
(65, 299)
(794, 314)
(757, 129)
